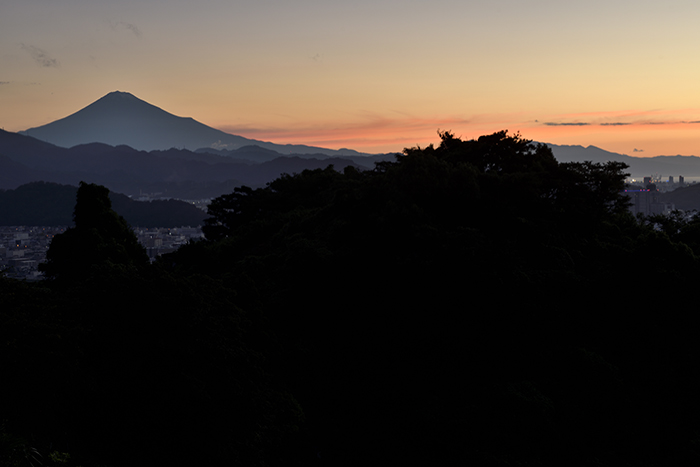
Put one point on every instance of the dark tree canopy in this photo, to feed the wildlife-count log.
(499, 153)
(470, 303)
(488, 182)
(101, 238)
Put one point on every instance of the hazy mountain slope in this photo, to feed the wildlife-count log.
(688, 166)
(175, 173)
(13, 174)
(30, 152)
(575, 153)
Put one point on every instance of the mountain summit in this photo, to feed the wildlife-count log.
(122, 118)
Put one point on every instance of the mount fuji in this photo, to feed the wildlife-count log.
(120, 118)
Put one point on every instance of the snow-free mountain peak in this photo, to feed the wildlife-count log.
(122, 118)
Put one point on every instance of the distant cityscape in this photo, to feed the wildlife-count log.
(644, 195)
(670, 184)
(23, 248)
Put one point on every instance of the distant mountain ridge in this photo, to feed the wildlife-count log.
(687, 166)
(176, 173)
(194, 175)
(120, 118)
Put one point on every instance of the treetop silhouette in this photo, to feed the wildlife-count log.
(101, 238)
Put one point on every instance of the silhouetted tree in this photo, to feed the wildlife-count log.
(101, 238)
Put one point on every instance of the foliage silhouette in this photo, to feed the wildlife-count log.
(464, 304)
(143, 367)
(472, 265)
(101, 238)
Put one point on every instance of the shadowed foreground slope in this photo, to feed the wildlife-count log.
(467, 304)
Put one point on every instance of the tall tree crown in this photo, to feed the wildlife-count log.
(100, 238)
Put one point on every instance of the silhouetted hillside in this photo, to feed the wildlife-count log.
(50, 204)
(685, 198)
(126, 170)
(639, 167)
(473, 303)
(13, 174)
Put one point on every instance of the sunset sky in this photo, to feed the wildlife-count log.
(372, 75)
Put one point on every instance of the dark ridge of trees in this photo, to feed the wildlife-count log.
(43, 203)
(474, 303)
(178, 172)
(38, 203)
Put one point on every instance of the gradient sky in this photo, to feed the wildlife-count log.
(372, 75)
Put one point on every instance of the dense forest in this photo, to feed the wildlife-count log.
(474, 303)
